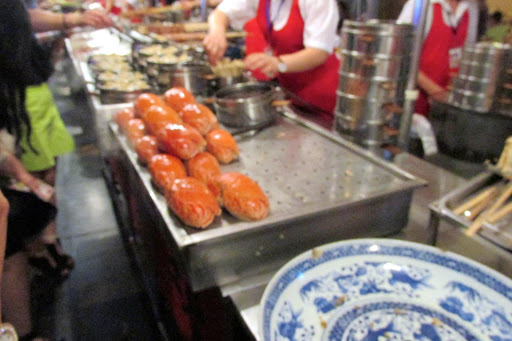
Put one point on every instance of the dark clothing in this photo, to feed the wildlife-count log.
(28, 216)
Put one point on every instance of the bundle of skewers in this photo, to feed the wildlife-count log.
(493, 202)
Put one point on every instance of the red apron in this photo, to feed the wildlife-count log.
(441, 42)
(317, 86)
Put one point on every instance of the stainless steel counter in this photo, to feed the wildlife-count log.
(310, 193)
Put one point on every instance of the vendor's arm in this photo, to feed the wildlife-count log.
(215, 42)
(432, 89)
(43, 20)
(303, 60)
(229, 13)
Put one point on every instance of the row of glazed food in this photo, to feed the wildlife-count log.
(180, 142)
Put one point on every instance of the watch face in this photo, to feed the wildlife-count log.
(281, 67)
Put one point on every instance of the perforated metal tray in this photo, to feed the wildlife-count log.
(499, 233)
(321, 189)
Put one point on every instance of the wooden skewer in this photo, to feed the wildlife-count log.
(482, 205)
(501, 213)
(484, 216)
(149, 11)
(474, 201)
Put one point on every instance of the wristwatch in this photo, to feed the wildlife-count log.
(281, 65)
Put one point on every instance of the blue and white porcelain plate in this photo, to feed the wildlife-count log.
(306, 295)
(394, 320)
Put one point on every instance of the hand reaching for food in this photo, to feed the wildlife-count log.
(263, 62)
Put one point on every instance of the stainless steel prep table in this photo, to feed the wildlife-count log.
(245, 289)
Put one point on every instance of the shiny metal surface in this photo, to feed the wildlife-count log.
(314, 181)
(482, 75)
(357, 63)
(377, 37)
(191, 76)
(245, 104)
(246, 295)
(108, 96)
(373, 72)
(499, 233)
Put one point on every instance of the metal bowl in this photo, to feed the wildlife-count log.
(192, 76)
(245, 104)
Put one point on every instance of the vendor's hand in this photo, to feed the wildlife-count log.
(440, 96)
(215, 45)
(43, 190)
(96, 18)
(263, 62)
(187, 5)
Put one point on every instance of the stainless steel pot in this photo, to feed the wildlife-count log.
(360, 64)
(470, 100)
(375, 87)
(478, 70)
(475, 85)
(191, 76)
(377, 37)
(245, 104)
(108, 96)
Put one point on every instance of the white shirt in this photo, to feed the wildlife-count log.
(320, 18)
(450, 18)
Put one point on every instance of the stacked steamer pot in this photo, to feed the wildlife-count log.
(484, 81)
(477, 119)
(375, 57)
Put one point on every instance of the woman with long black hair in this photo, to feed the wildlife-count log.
(23, 63)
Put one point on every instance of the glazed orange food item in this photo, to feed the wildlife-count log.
(205, 167)
(165, 169)
(181, 140)
(144, 102)
(222, 145)
(123, 116)
(200, 117)
(158, 116)
(192, 202)
(178, 97)
(146, 148)
(243, 197)
(135, 129)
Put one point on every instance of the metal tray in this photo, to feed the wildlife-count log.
(321, 189)
(499, 233)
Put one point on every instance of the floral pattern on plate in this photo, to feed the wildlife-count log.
(302, 297)
(394, 320)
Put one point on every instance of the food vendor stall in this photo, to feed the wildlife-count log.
(321, 187)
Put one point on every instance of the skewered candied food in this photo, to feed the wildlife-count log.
(122, 117)
(177, 97)
(205, 167)
(158, 116)
(192, 202)
(135, 129)
(222, 145)
(200, 117)
(181, 140)
(146, 148)
(165, 169)
(243, 197)
(144, 102)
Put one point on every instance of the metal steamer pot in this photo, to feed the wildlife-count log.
(246, 105)
(110, 96)
(192, 76)
(376, 37)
